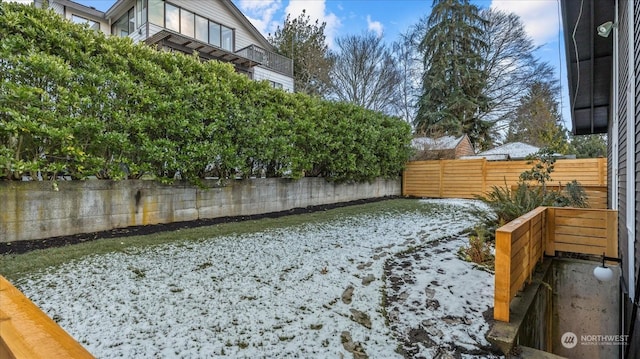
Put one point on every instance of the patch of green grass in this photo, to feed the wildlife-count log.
(15, 267)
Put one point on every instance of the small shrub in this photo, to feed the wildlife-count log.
(573, 196)
(479, 249)
(530, 193)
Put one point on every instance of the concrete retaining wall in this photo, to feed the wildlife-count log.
(35, 210)
(587, 308)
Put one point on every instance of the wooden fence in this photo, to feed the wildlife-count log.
(27, 332)
(521, 244)
(468, 178)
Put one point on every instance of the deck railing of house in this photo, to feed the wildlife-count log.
(522, 243)
(268, 59)
(27, 332)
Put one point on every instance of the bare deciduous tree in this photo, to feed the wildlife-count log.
(409, 63)
(365, 73)
(510, 65)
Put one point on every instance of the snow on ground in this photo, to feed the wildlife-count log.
(437, 302)
(278, 293)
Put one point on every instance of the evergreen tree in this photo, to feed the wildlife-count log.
(453, 82)
(304, 41)
(589, 146)
(537, 120)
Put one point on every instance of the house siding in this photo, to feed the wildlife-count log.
(464, 148)
(629, 167)
(634, 342)
(610, 174)
(261, 73)
(623, 65)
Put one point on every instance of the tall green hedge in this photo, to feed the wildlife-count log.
(74, 102)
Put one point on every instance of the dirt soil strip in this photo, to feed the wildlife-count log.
(18, 247)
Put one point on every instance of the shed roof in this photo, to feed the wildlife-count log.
(514, 150)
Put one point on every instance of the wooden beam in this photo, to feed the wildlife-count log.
(27, 332)
(502, 295)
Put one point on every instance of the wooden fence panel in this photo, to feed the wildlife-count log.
(424, 179)
(468, 178)
(585, 231)
(521, 243)
(519, 247)
(462, 178)
(501, 172)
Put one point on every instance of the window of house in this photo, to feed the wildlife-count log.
(214, 33)
(156, 12)
(132, 20)
(141, 7)
(125, 25)
(227, 38)
(276, 85)
(93, 25)
(172, 17)
(187, 23)
(202, 29)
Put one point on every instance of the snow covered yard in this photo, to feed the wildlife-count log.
(313, 290)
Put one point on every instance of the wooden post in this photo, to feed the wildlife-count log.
(441, 179)
(404, 183)
(602, 171)
(502, 293)
(543, 234)
(530, 263)
(550, 248)
(484, 176)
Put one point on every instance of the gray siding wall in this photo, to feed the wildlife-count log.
(634, 349)
(623, 65)
(630, 276)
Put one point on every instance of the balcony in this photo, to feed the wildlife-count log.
(268, 59)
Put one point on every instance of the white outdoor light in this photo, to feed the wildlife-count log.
(602, 272)
(605, 29)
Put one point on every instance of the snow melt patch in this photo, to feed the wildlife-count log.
(275, 293)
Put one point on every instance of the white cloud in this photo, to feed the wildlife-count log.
(316, 11)
(261, 13)
(375, 26)
(540, 17)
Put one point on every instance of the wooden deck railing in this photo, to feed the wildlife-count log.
(521, 244)
(27, 332)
